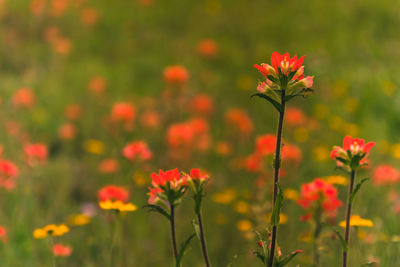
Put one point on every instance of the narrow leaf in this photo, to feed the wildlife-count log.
(260, 256)
(288, 258)
(196, 228)
(339, 235)
(158, 209)
(183, 248)
(277, 208)
(275, 103)
(357, 188)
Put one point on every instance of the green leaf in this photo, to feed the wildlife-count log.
(339, 235)
(273, 79)
(288, 258)
(277, 207)
(260, 256)
(196, 228)
(183, 248)
(275, 103)
(158, 209)
(357, 188)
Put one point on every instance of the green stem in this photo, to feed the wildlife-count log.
(52, 250)
(202, 240)
(172, 221)
(317, 232)
(348, 214)
(276, 174)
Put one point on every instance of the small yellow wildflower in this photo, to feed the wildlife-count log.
(290, 193)
(244, 225)
(336, 179)
(242, 207)
(51, 229)
(78, 219)
(225, 197)
(117, 205)
(140, 178)
(356, 220)
(396, 151)
(94, 146)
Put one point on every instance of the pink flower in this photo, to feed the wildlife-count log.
(113, 192)
(35, 153)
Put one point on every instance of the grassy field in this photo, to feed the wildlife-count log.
(67, 65)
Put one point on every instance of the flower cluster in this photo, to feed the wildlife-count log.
(319, 194)
(137, 150)
(284, 74)
(353, 154)
(50, 230)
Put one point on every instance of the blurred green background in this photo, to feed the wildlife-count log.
(56, 47)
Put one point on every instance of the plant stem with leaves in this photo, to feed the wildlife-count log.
(277, 164)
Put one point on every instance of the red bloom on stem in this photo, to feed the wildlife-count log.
(137, 149)
(3, 234)
(385, 174)
(61, 250)
(8, 174)
(35, 153)
(165, 181)
(319, 192)
(284, 63)
(176, 74)
(353, 154)
(113, 192)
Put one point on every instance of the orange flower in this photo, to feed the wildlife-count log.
(61, 251)
(24, 97)
(89, 16)
(113, 192)
(73, 112)
(109, 165)
(35, 153)
(123, 111)
(3, 234)
(67, 131)
(97, 84)
(207, 48)
(176, 74)
(239, 119)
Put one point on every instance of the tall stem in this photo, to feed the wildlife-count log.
(348, 214)
(175, 251)
(317, 232)
(276, 174)
(202, 240)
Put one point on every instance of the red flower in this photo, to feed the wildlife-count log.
(113, 192)
(123, 111)
(109, 165)
(176, 74)
(137, 149)
(319, 192)
(207, 48)
(239, 119)
(164, 182)
(265, 144)
(3, 234)
(8, 174)
(97, 84)
(196, 174)
(35, 153)
(67, 131)
(285, 63)
(24, 97)
(353, 154)
(202, 104)
(61, 250)
(385, 174)
(73, 112)
(295, 116)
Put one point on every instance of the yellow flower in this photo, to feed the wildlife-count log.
(94, 146)
(336, 179)
(244, 225)
(283, 218)
(356, 220)
(140, 178)
(242, 207)
(117, 205)
(225, 197)
(78, 219)
(51, 229)
(396, 151)
(321, 153)
(290, 193)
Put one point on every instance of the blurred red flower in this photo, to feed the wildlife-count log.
(385, 174)
(23, 97)
(295, 116)
(109, 165)
(3, 234)
(123, 111)
(113, 192)
(176, 74)
(207, 48)
(8, 174)
(239, 119)
(202, 104)
(137, 150)
(35, 153)
(61, 250)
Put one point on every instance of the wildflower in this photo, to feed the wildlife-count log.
(8, 174)
(113, 192)
(117, 205)
(244, 225)
(225, 197)
(24, 98)
(239, 119)
(176, 74)
(168, 186)
(51, 229)
(94, 146)
(353, 154)
(385, 174)
(123, 111)
(202, 104)
(356, 220)
(108, 165)
(3, 234)
(242, 207)
(207, 48)
(336, 179)
(73, 112)
(319, 192)
(61, 250)
(97, 84)
(295, 116)
(67, 131)
(89, 16)
(150, 119)
(78, 219)
(35, 153)
(137, 149)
